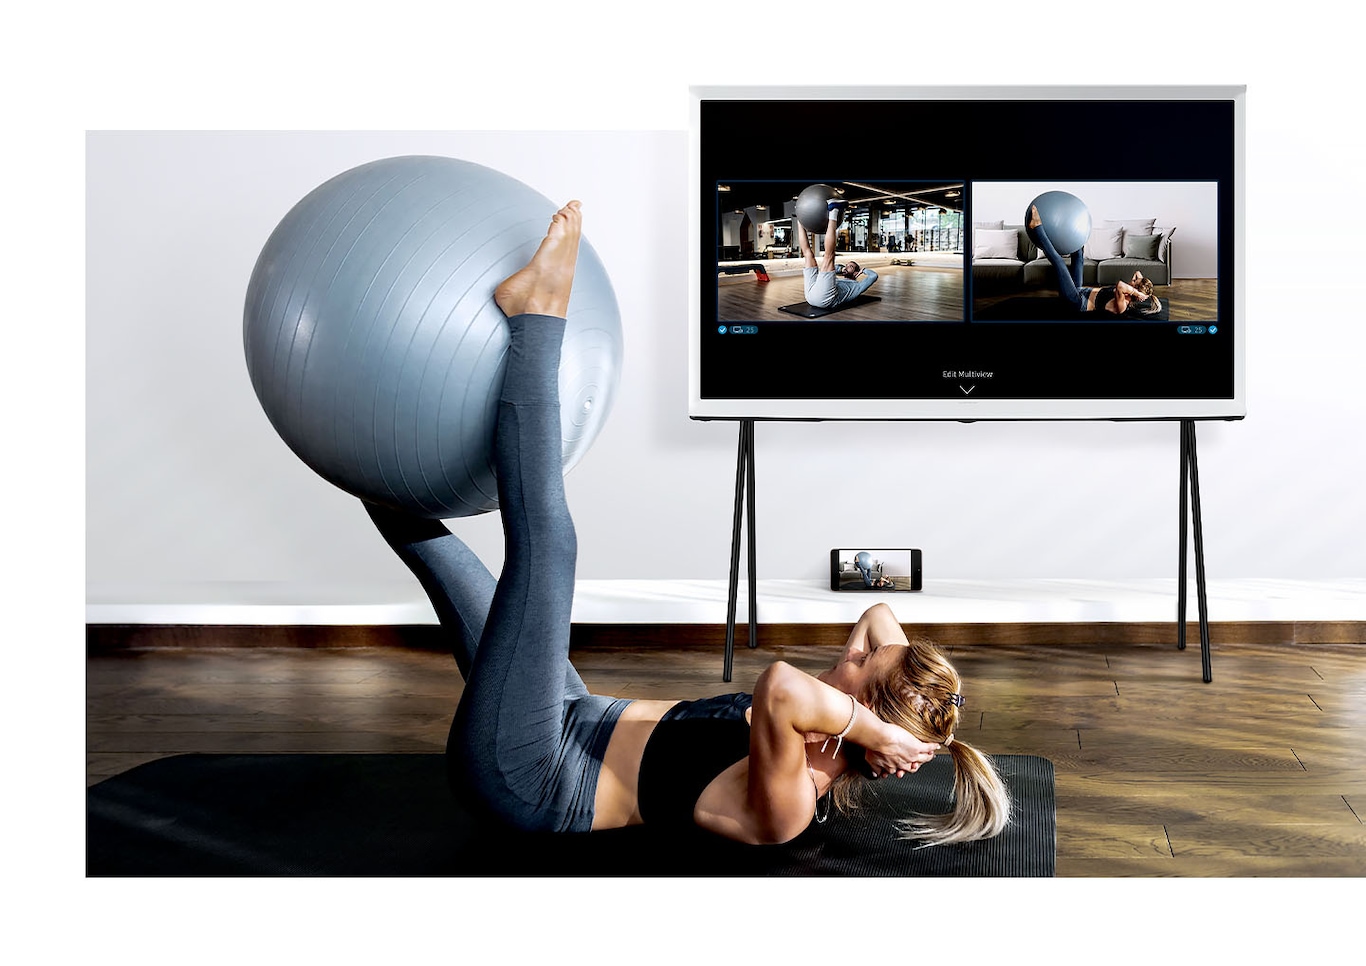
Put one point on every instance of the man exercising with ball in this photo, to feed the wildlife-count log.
(827, 285)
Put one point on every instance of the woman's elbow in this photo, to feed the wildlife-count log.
(778, 685)
(778, 833)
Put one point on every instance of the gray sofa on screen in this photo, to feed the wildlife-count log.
(1005, 260)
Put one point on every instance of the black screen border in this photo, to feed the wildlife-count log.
(747, 405)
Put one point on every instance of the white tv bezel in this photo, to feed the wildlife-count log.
(984, 408)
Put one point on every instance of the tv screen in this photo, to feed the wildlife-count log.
(970, 253)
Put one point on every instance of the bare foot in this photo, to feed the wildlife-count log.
(1034, 220)
(543, 287)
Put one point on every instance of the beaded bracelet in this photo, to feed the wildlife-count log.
(839, 738)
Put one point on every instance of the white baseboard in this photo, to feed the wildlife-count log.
(779, 602)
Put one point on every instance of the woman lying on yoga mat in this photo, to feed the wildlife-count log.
(530, 745)
(1133, 299)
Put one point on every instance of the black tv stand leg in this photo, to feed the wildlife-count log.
(1190, 470)
(744, 494)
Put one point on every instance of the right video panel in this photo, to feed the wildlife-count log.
(1095, 251)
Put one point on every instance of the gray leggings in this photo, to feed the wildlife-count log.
(827, 289)
(528, 739)
(1069, 277)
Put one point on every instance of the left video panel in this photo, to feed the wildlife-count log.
(840, 250)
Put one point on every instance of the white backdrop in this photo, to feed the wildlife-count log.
(187, 482)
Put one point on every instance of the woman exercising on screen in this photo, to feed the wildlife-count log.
(1134, 298)
(863, 564)
(530, 744)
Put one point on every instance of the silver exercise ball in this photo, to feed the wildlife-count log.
(375, 347)
(1065, 218)
(811, 209)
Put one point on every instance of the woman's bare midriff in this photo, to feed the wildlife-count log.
(617, 802)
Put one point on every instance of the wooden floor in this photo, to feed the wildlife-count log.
(930, 294)
(1261, 773)
(905, 292)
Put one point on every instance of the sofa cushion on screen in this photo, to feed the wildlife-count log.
(1105, 243)
(1040, 274)
(995, 243)
(1166, 234)
(1132, 226)
(1114, 270)
(1141, 246)
(988, 225)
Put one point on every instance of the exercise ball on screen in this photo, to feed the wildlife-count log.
(1065, 218)
(811, 209)
(375, 347)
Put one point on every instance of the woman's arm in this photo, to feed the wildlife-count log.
(771, 797)
(876, 626)
(1124, 293)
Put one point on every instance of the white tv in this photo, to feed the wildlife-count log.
(967, 318)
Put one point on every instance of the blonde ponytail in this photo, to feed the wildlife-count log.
(921, 693)
(981, 805)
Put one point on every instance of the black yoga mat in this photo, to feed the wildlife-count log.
(808, 311)
(394, 815)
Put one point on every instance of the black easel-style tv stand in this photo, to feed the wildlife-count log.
(1190, 497)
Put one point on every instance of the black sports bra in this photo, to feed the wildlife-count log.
(693, 743)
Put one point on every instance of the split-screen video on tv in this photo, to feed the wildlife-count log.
(1068, 253)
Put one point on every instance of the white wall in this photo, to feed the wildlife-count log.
(1189, 207)
(186, 481)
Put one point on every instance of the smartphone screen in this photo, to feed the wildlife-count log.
(873, 569)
